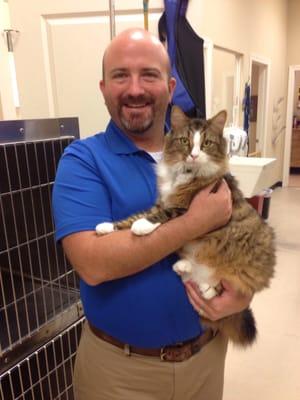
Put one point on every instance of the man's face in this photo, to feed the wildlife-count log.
(136, 86)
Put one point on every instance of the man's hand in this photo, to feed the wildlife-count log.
(208, 210)
(227, 303)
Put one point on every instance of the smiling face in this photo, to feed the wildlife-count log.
(136, 85)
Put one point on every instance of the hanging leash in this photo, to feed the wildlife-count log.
(146, 14)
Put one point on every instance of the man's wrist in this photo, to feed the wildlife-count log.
(191, 230)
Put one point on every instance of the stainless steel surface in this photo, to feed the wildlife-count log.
(38, 129)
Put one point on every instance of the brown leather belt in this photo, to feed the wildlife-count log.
(176, 353)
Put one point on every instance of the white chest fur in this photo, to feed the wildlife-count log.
(169, 177)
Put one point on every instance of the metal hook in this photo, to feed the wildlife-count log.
(9, 41)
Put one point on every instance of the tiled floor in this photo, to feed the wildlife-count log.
(271, 368)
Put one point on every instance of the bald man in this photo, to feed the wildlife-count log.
(143, 338)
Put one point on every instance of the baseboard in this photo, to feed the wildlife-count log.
(294, 170)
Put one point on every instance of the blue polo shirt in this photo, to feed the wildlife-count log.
(107, 178)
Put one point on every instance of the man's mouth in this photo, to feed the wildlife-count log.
(134, 106)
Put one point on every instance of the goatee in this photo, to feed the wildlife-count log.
(136, 126)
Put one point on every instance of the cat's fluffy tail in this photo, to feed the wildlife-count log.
(240, 328)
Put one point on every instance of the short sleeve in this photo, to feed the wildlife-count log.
(80, 198)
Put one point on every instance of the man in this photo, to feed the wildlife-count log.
(137, 308)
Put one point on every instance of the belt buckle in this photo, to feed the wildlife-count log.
(162, 354)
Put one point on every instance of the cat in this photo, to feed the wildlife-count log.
(241, 252)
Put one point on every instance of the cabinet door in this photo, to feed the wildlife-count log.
(295, 149)
(58, 55)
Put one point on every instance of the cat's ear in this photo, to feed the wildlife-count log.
(218, 121)
(178, 118)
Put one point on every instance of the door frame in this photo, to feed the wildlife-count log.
(208, 46)
(208, 60)
(289, 124)
(236, 104)
(263, 97)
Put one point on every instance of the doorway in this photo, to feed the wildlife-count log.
(291, 163)
(259, 88)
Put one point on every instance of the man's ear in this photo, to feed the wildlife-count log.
(172, 86)
(102, 85)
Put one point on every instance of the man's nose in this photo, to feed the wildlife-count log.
(135, 87)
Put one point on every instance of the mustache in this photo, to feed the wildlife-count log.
(140, 99)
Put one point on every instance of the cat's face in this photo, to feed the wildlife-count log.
(196, 142)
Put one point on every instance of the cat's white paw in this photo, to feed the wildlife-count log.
(104, 227)
(208, 292)
(182, 266)
(143, 227)
(204, 287)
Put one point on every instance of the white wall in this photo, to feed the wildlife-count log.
(7, 108)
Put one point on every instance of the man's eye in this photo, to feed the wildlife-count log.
(150, 76)
(119, 76)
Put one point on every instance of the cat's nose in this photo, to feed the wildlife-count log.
(192, 157)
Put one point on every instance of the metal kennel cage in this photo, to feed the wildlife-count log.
(40, 310)
(47, 372)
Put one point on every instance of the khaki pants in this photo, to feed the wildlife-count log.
(104, 372)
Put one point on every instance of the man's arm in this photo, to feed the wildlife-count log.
(101, 258)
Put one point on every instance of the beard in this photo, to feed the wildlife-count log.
(136, 113)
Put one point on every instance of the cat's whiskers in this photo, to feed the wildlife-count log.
(203, 166)
(207, 168)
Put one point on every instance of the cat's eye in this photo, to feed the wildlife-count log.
(207, 142)
(184, 140)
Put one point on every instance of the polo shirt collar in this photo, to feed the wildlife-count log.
(118, 141)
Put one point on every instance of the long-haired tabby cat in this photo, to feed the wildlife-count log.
(241, 252)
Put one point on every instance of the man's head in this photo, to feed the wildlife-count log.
(136, 83)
